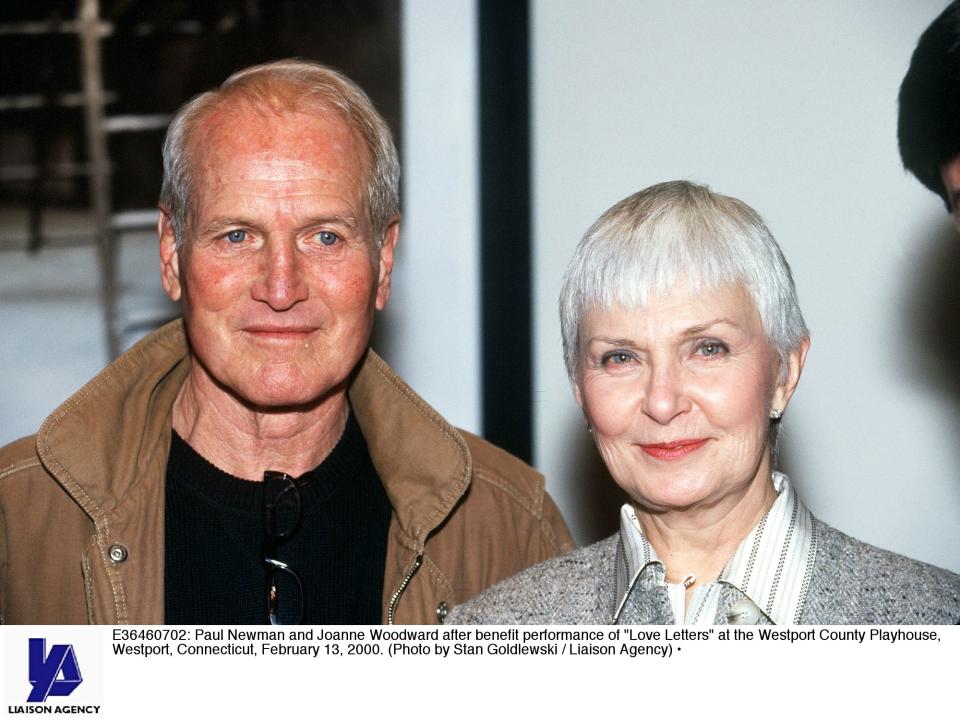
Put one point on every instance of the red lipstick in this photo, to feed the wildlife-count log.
(673, 450)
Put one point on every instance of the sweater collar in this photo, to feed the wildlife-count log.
(771, 566)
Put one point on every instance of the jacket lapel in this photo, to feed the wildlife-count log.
(647, 603)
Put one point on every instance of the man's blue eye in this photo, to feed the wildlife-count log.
(326, 237)
(237, 236)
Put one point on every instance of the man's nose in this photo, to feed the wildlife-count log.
(281, 283)
(665, 396)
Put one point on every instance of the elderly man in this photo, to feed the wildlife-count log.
(928, 127)
(256, 462)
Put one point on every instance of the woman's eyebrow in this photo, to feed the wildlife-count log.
(609, 340)
(703, 327)
(686, 332)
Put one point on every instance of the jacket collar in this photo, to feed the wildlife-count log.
(105, 438)
(123, 418)
(423, 461)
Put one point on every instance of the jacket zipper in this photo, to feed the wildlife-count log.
(392, 607)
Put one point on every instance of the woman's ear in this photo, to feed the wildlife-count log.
(787, 382)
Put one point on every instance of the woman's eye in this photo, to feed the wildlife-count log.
(327, 238)
(617, 358)
(237, 236)
(711, 348)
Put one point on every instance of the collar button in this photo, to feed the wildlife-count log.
(117, 553)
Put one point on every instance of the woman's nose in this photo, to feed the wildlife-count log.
(665, 397)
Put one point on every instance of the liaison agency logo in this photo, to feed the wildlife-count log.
(53, 674)
(52, 671)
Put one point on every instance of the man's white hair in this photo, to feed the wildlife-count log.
(679, 232)
(284, 85)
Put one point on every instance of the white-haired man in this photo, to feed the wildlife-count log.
(256, 462)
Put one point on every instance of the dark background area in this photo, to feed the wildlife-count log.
(155, 56)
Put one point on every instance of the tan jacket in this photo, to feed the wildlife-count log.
(82, 502)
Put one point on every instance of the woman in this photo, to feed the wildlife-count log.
(684, 343)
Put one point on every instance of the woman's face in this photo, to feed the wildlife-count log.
(679, 396)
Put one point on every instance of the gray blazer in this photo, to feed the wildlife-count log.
(851, 583)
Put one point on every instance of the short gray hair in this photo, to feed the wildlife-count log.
(294, 85)
(674, 231)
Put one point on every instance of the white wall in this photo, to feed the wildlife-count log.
(430, 332)
(791, 107)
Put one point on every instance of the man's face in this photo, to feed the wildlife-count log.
(950, 172)
(279, 276)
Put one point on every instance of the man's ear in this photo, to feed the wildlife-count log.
(785, 387)
(169, 256)
(387, 247)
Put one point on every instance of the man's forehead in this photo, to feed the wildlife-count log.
(275, 167)
(249, 128)
(278, 147)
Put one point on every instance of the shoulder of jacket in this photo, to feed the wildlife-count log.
(838, 549)
(19, 456)
(502, 472)
(883, 579)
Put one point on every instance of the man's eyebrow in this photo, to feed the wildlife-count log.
(220, 224)
(217, 225)
(348, 220)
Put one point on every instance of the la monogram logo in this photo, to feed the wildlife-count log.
(56, 674)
